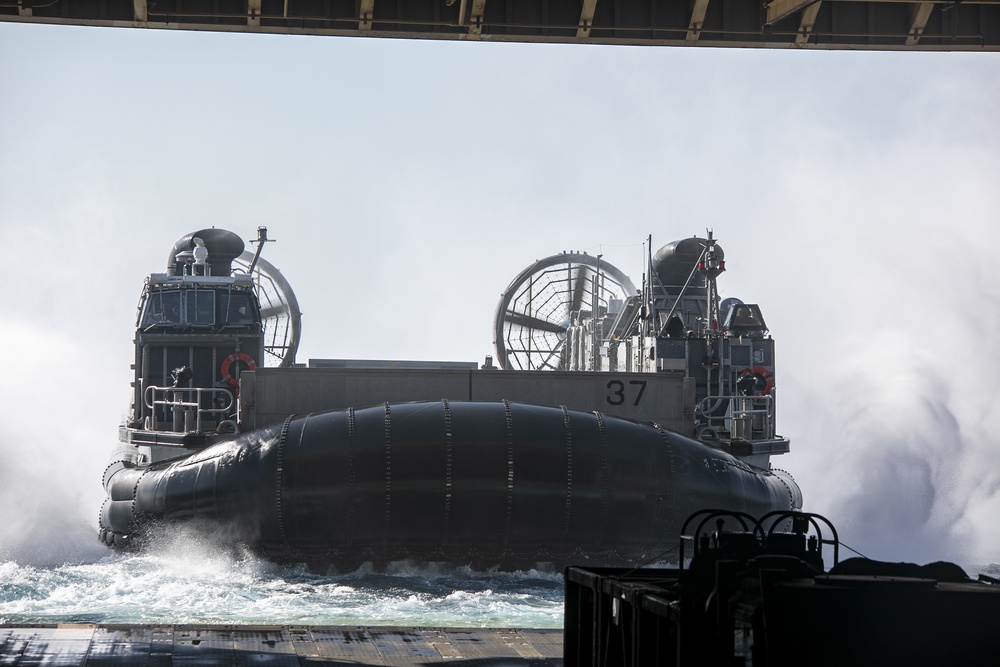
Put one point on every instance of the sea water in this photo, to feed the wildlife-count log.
(184, 580)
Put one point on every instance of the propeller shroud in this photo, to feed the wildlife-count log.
(280, 314)
(537, 308)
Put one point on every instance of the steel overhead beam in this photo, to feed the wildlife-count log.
(476, 11)
(698, 11)
(809, 15)
(253, 13)
(921, 14)
(905, 25)
(779, 9)
(366, 12)
(586, 18)
(944, 3)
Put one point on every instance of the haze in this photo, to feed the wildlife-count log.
(406, 182)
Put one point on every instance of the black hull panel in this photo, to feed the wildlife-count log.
(482, 483)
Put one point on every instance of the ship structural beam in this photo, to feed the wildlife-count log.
(889, 25)
(586, 18)
(921, 13)
(365, 14)
(698, 11)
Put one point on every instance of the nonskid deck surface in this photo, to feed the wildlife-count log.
(273, 646)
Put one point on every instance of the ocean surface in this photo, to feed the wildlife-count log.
(182, 578)
(185, 581)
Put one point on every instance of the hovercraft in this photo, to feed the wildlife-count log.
(615, 413)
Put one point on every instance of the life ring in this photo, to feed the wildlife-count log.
(761, 374)
(247, 360)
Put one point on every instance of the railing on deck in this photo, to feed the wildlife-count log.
(739, 417)
(186, 407)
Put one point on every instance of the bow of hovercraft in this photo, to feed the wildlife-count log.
(612, 418)
(490, 484)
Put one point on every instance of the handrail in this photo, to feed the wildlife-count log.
(707, 515)
(738, 418)
(185, 410)
(778, 516)
(763, 529)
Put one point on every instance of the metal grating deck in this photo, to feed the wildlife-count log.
(273, 646)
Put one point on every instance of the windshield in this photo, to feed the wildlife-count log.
(162, 308)
(200, 307)
(196, 307)
(237, 309)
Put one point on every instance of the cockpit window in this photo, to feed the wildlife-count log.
(201, 307)
(237, 309)
(745, 319)
(163, 308)
(191, 307)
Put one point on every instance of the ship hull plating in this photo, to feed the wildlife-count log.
(470, 483)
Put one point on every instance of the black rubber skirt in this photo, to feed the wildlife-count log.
(487, 484)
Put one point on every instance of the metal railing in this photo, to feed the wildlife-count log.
(739, 416)
(186, 406)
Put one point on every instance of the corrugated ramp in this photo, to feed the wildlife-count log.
(273, 646)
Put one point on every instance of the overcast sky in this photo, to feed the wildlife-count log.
(856, 195)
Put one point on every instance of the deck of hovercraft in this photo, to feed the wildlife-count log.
(273, 646)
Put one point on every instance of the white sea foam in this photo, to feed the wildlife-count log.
(188, 580)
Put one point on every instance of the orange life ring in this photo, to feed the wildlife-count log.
(760, 373)
(227, 362)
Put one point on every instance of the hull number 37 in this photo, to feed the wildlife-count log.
(619, 392)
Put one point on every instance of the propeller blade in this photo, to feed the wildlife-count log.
(579, 285)
(273, 311)
(531, 322)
